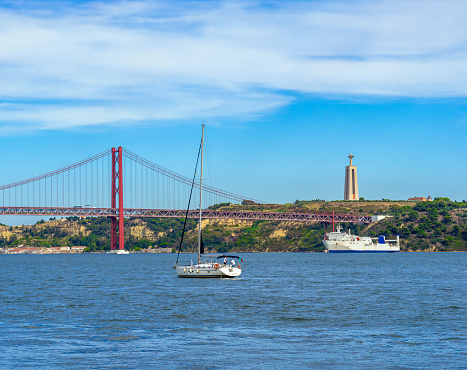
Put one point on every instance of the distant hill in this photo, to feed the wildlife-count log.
(440, 225)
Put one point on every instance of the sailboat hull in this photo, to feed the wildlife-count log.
(207, 271)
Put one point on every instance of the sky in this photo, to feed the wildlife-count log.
(286, 89)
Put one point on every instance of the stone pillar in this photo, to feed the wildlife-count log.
(351, 183)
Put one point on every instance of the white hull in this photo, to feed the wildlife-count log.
(338, 242)
(334, 246)
(208, 270)
(118, 251)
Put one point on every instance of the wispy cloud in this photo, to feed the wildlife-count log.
(72, 64)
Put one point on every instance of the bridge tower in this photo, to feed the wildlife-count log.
(117, 188)
(351, 183)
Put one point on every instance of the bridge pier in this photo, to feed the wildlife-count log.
(117, 188)
(121, 227)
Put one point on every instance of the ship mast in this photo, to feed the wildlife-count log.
(200, 197)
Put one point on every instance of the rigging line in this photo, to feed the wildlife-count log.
(188, 208)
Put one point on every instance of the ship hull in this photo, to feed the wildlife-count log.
(358, 251)
(358, 247)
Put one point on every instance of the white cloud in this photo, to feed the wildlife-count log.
(115, 62)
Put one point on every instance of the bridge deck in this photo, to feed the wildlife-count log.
(177, 213)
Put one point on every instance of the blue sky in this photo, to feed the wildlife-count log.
(287, 91)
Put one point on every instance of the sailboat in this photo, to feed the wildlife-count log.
(217, 266)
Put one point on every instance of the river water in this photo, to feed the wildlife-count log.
(402, 310)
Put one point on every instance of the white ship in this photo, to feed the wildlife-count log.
(339, 242)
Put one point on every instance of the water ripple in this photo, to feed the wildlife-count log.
(405, 310)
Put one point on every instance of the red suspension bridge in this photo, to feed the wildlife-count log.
(95, 187)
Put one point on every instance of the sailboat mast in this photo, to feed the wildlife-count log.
(200, 196)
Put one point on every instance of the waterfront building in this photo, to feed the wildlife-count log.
(351, 183)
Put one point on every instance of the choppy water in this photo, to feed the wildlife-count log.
(404, 310)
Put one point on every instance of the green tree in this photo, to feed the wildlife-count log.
(412, 216)
(447, 241)
(447, 219)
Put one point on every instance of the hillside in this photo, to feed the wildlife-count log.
(440, 225)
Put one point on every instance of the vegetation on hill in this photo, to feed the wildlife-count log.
(440, 225)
